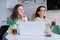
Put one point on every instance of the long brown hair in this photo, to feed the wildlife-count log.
(15, 12)
(38, 9)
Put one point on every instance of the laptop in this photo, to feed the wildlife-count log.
(32, 28)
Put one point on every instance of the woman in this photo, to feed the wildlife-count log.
(40, 16)
(17, 16)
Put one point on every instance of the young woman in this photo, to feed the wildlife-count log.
(17, 16)
(40, 16)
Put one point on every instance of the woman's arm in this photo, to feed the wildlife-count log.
(10, 21)
(24, 18)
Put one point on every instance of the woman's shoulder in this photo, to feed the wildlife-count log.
(10, 21)
(48, 21)
(9, 18)
(37, 19)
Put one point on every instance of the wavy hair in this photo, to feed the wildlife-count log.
(38, 9)
(15, 12)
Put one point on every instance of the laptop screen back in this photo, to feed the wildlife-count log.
(31, 28)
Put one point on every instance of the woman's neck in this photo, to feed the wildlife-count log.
(42, 18)
(19, 17)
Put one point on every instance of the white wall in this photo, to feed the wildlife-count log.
(4, 12)
(30, 9)
(54, 15)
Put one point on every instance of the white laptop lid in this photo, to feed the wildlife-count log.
(31, 28)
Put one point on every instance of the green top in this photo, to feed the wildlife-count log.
(10, 21)
(56, 29)
(12, 24)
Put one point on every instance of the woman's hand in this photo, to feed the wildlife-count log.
(24, 18)
(47, 32)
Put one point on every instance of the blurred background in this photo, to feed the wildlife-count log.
(52, 6)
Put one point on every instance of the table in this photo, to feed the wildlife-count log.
(32, 37)
(31, 31)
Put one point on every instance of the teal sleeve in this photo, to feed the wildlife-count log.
(10, 21)
(56, 30)
(59, 30)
